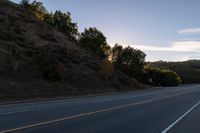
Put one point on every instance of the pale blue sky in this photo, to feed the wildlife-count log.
(163, 29)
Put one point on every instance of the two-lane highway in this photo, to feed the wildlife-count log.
(173, 109)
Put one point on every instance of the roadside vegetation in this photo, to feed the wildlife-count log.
(189, 71)
(128, 60)
(159, 77)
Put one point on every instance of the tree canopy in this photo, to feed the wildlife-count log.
(61, 21)
(35, 7)
(129, 60)
(94, 40)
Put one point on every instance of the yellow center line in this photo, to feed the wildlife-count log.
(87, 114)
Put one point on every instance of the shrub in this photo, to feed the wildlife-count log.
(163, 77)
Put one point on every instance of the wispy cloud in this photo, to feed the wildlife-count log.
(153, 48)
(179, 46)
(190, 31)
(188, 46)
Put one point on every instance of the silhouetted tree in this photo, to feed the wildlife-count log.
(35, 7)
(38, 9)
(49, 18)
(61, 21)
(92, 39)
(129, 60)
(115, 52)
(25, 3)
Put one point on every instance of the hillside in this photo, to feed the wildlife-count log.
(189, 71)
(38, 61)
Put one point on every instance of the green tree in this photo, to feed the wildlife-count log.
(38, 9)
(92, 39)
(115, 52)
(35, 7)
(25, 3)
(49, 18)
(63, 22)
(129, 60)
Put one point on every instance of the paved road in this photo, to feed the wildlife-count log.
(165, 110)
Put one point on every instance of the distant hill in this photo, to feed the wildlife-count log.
(31, 51)
(189, 71)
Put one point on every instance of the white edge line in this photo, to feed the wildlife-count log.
(180, 118)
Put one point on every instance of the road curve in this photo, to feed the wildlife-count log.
(165, 110)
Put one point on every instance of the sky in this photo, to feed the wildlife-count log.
(167, 30)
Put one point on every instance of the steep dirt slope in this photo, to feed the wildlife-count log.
(37, 61)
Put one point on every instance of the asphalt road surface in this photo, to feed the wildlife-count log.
(165, 110)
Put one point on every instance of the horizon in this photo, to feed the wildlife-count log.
(167, 30)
